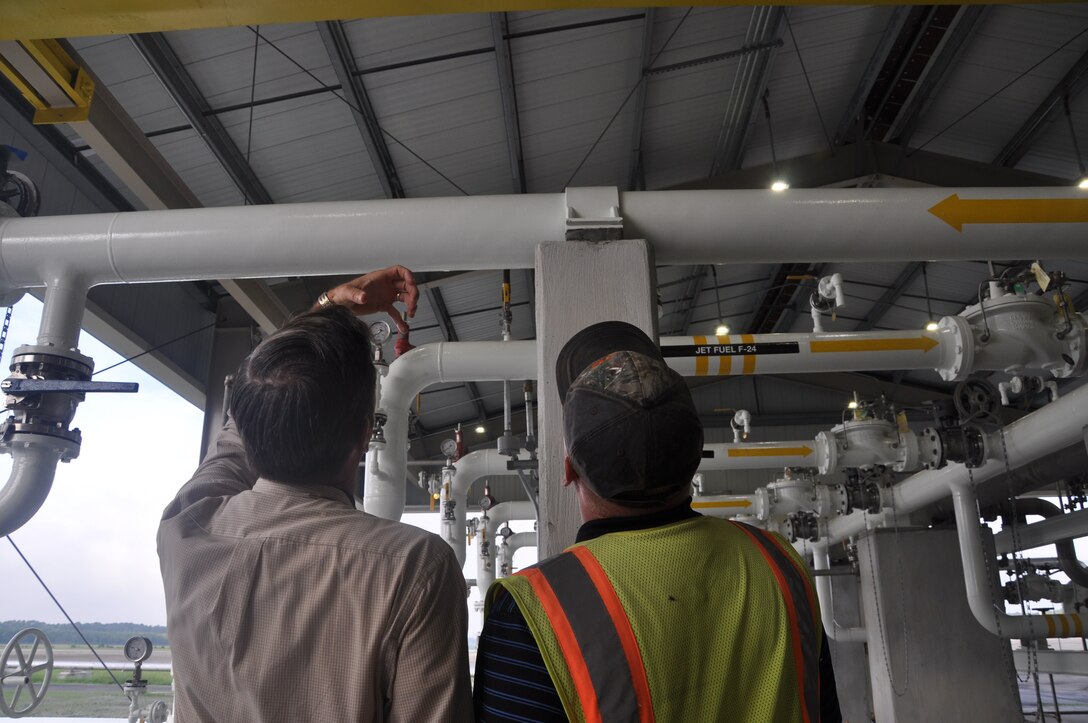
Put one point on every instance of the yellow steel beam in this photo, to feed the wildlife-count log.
(64, 18)
(58, 88)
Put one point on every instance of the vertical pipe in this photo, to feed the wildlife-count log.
(821, 561)
(62, 314)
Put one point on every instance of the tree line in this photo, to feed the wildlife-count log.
(96, 633)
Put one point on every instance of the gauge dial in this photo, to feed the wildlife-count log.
(138, 649)
(380, 332)
(486, 502)
(449, 448)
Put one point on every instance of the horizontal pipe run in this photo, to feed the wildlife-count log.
(728, 506)
(985, 605)
(1043, 432)
(1069, 526)
(739, 354)
(760, 455)
(499, 232)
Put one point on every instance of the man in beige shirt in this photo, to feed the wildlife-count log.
(284, 602)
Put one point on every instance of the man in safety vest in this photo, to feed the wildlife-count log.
(656, 613)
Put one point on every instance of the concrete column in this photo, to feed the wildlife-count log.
(232, 343)
(922, 634)
(579, 283)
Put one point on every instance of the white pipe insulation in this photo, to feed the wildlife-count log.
(470, 468)
(480, 361)
(505, 559)
(497, 232)
(761, 455)
(1070, 526)
(822, 562)
(497, 516)
(1045, 431)
(990, 613)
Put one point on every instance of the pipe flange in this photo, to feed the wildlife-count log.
(826, 453)
(958, 338)
(51, 357)
(16, 438)
(931, 449)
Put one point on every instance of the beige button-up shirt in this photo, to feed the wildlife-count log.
(288, 604)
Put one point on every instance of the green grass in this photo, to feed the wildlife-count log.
(101, 677)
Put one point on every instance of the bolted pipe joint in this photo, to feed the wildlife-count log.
(37, 433)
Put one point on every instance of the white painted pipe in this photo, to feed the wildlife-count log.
(35, 456)
(497, 232)
(428, 364)
(736, 354)
(729, 506)
(990, 613)
(509, 546)
(760, 455)
(498, 516)
(821, 561)
(29, 483)
(1045, 431)
(1070, 526)
(470, 468)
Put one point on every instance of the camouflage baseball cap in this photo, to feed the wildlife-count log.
(632, 430)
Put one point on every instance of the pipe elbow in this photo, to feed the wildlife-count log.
(28, 485)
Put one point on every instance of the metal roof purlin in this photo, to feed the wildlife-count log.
(156, 50)
(509, 101)
(636, 176)
(856, 107)
(958, 37)
(1021, 142)
(890, 296)
(343, 62)
(753, 73)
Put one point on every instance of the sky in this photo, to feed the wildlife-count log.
(93, 541)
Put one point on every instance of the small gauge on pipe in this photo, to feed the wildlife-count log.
(380, 332)
(449, 448)
(138, 649)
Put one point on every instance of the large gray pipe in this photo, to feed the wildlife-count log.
(1067, 553)
(1065, 463)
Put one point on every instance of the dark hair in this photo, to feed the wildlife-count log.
(304, 396)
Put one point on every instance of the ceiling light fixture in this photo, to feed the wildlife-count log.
(931, 324)
(722, 329)
(778, 184)
(1083, 184)
(852, 404)
(481, 429)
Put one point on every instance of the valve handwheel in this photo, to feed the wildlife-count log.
(19, 694)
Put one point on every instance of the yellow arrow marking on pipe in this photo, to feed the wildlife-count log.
(956, 211)
(722, 503)
(914, 343)
(770, 452)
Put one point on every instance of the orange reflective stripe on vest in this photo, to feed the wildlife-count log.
(797, 594)
(596, 638)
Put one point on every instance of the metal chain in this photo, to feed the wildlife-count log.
(1018, 567)
(880, 617)
(4, 331)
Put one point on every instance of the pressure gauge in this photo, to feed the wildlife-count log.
(487, 502)
(449, 448)
(138, 649)
(379, 332)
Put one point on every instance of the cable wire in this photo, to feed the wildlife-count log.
(999, 91)
(641, 80)
(156, 348)
(348, 103)
(252, 95)
(72, 622)
(811, 92)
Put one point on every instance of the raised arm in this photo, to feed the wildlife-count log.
(224, 472)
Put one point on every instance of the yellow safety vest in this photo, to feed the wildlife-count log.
(699, 620)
